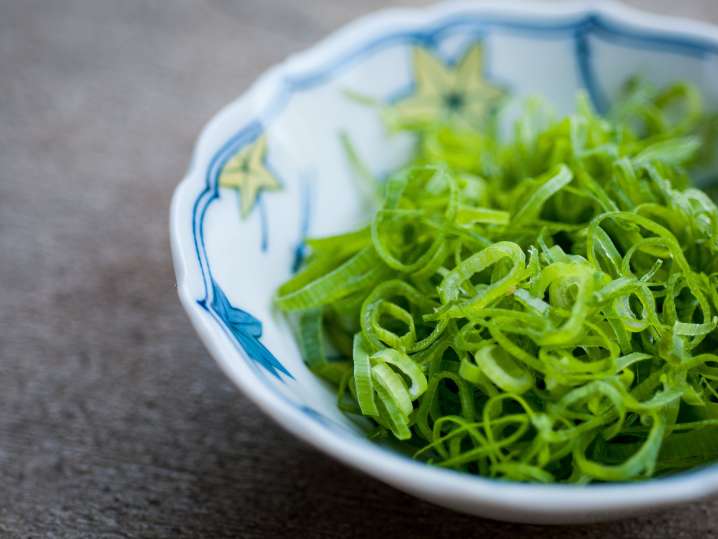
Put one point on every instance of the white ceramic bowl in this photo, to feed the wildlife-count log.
(233, 246)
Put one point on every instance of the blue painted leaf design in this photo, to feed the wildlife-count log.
(246, 330)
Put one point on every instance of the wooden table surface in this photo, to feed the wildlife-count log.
(114, 421)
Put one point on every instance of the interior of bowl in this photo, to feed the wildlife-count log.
(276, 173)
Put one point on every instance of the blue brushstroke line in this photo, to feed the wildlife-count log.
(623, 34)
(605, 27)
(215, 301)
(211, 193)
(263, 215)
(263, 227)
(583, 60)
(306, 208)
(306, 204)
(264, 232)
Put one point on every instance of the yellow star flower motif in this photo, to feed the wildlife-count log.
(457, 94)
(246, 172)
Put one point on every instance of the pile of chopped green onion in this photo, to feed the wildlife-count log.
(534, 307)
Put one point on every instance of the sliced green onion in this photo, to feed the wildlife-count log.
(542, 307)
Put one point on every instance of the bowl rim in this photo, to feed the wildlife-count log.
(543, 502)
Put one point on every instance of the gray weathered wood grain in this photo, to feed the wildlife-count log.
(114, 422)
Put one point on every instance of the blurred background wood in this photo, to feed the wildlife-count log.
(114, 422)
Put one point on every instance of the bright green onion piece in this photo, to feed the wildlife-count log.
(450, 288)
(391, 415)
(310, 338)
(557, 179)
(363, 378)
(468, 215)
(406, 365)
(502, 370)
(394, 388)
(363, 270)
